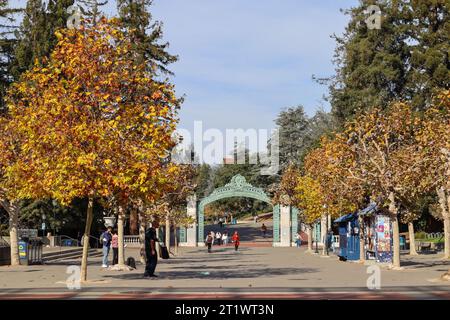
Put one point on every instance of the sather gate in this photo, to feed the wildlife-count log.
(285, 223)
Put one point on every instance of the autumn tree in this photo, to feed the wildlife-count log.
(375, 139)
(91, 122)
(171, 206)
(434, 151)
(309, 199)
(329, 166)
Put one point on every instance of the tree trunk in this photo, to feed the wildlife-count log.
(447, 238)
(142, 228)
(323, 231)
(362, 251)
(175, 238)
(167, 233)
(87, 233)
(120, 220)
(412, 239)
(395, 230)
(309, 231)
(13, 211)
(134, 230)
(444, 202)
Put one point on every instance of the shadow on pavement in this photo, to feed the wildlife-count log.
(212, 274)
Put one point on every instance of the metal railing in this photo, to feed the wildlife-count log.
(131, 240)
(66, 241)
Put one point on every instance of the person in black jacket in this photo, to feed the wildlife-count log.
(151, 254)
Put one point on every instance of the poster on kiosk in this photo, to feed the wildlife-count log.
(384, 239)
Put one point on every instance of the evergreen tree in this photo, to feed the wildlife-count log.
(91, 10)
(33, 43)
(37, 32)
(293, 126)
(371, 63)
(135, 15)
(430, 64)
(7, 43)
(56, 18)
(406, 59)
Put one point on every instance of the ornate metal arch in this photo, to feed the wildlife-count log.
(237, 187)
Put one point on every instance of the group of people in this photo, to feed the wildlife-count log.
(110, 239)
(221, 238)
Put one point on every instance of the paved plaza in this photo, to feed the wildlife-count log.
(254, 271)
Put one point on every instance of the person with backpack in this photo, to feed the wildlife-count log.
(151, 255)
(105, 239)
(115, 247)
(236, 240)
(209, 241)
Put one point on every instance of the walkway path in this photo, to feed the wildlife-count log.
(249, 231)
(253, 272)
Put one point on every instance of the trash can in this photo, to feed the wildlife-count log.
(30, 251)
(23, 251)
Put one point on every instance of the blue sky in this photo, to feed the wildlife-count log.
(242, 61)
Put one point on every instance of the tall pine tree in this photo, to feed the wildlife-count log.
(371, 63)
(91, 9)
(37, 32)
(406, 59)
(147, 34)
(293, 125)
(430, 64)
(7, 43)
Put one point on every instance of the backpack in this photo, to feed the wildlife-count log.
(131, 262)
(209, 239)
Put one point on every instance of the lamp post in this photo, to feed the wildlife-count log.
(315, 236)
(43, 216)
(326, 231)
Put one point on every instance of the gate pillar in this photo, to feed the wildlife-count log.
(189, 235)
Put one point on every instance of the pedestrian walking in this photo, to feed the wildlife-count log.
(219, 238)
(264, 230)
(106, 238)
(256, 218)
(150, 250)
(209, 241)
(115, 247)
(298, 239)
(236, 240)
(225, 238)
(220, 222)
(213, 234)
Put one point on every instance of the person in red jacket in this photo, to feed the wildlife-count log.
(236, 241)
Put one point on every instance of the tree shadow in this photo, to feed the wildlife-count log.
(213, 274)
(414, 264)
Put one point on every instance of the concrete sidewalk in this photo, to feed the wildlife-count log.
(279, 272)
